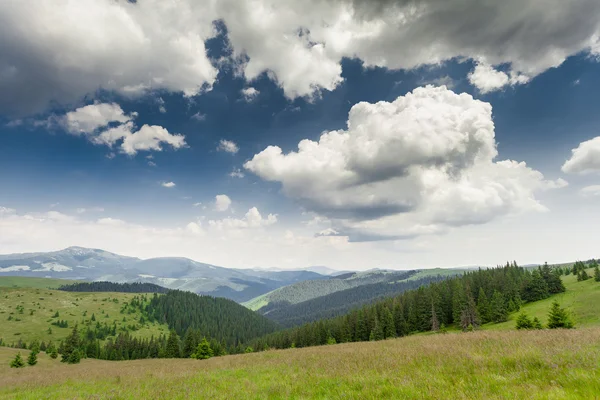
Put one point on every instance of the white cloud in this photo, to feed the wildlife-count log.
(299, 44)
(249, 94)
(590, 191)
(228, 146)
(585, 158)
(252, 219)
(87, 119)
(487, 79)
(236, 173)
(416, 166)
(199, 116)
(222, 202)
(168, 184)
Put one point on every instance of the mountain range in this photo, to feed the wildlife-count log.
(81, 263)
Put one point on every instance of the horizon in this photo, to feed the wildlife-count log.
(347, 134)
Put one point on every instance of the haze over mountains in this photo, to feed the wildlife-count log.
(171, 272)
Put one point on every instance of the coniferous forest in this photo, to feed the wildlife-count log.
(103, 286)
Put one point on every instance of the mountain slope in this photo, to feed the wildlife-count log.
(171, 272)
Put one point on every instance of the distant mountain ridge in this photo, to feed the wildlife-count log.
(172, 272)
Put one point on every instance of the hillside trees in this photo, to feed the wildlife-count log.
(559, 318)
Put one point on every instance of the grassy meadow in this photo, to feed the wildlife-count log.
(39, 283)
(27, 313)
(581, 299)
(549, 364)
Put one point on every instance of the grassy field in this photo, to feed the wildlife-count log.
(582, 300)
(550, 364)
(27, 313)
(40, 283)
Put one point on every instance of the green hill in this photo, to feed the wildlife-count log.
(557, 364)
(40, 283)
(581, 299)
(28, 313)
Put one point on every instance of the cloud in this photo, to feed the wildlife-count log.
(252, 219)
(419, 165)
(299, 44)
(87, 119)
(168, 184)
(198, 116)
(228, 146)
(487, 79)
(222, 202)
(590, 191)
(585, 158)
(250, 94)
(236, 173)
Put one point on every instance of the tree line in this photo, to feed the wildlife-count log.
(103, 286)
(466, 302)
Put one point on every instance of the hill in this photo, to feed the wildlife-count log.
(40, 283)
(556, 364)
(172, 272)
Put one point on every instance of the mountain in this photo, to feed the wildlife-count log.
(172, 272)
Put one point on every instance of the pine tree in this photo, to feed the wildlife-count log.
(53, 353)
(204, 351)
(387, 321)
(558, 317)
(499, 311)
(597, 274)
(32, 359)
(523, 322)
(435, 323)
(537, 288)
(172, 350)
(189, 343)
(537, 324)
(584, 275)
(377, 332)
(17, 362)
(70, 352)
(469, 320)
(483, 307)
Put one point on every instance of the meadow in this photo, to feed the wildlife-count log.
(549, 364)
(27, 313)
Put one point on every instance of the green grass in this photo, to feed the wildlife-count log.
(550, 364)
(40, 283)
(39, 306)
(582, 300)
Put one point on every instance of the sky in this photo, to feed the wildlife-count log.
(285, 134)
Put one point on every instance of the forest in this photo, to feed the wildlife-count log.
(104, 286)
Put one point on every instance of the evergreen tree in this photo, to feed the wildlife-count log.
(584, 275)
(536, 288)
(377, 332)
(204, 351)
(53, 353)
(17, 362)
(597, 274)
(189, 343)
(558, 317)
(537, 324)
(469, 320)
(172, 350)
(523, 322)
(387, 322)
(32, 359)
(70, 352)
(499, 312)
(483, 307)
(435, 323)
(331, 340)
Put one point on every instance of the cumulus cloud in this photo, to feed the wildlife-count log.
(94, 120)
(222, 202)
(585, 158)
(228, 146)
(299, 44)
(252, 219)
(487, 79)
(236, 173)
(418, 165)
(168, 184)
(249, 94)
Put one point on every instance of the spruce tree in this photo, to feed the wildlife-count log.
(387, 322)
(584, 275)
(377, 332)
(204, 351)
(435, 323)
(17, 362)
(537, 324)
(558, 317)
(536, 288)
(469, 319)
(32, 359)
(189, 343)
(523, 322)
(70, 352)
(172, 349)
(53, 353)
(498, 308)
(483, 307)
(597, 274)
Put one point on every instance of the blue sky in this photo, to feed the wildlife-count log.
(413, 182)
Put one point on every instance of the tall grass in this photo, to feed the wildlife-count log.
(480, 365)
